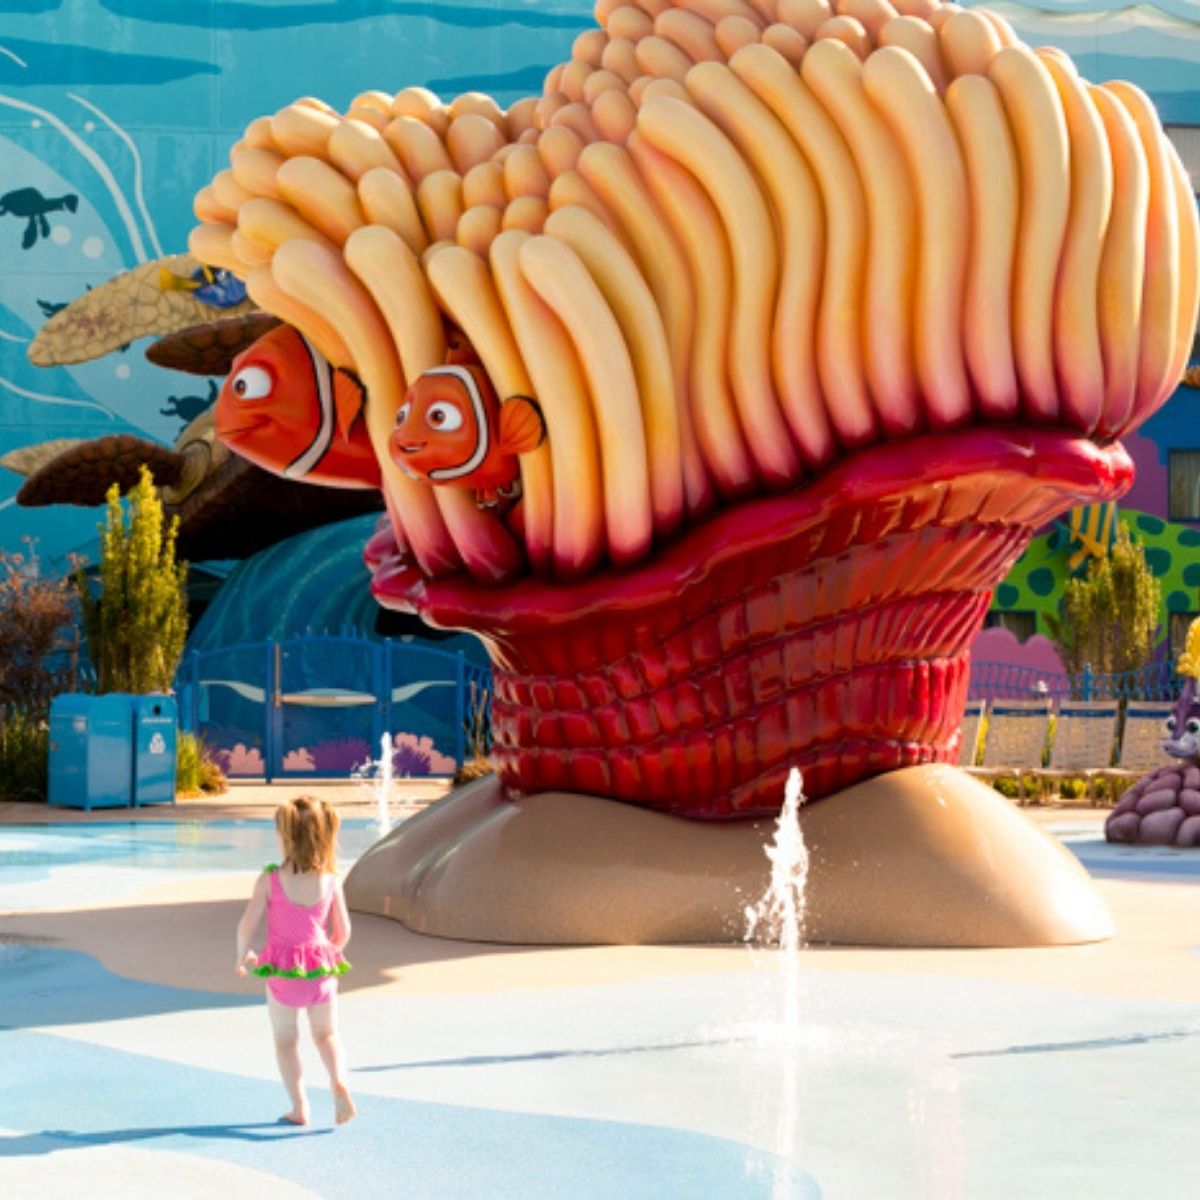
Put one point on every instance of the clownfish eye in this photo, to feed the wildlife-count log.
(1193, 725)
(402, 413)
(445, 416)
(252, 383)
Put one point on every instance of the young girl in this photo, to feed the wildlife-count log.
(301, 961)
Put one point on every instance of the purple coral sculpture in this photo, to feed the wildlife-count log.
(1163, 808)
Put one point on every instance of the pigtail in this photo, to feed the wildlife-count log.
(308, 828)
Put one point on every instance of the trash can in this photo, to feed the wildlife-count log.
(155, 721)
(91, 758)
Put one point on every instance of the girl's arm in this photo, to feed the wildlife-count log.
(249, 923)
(339, 918)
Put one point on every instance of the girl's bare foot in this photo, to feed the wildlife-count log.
(298, 1116)
(343, 1105)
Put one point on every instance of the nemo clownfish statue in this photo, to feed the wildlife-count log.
(287, 409)
(454, 431)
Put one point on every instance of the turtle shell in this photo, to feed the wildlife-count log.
(83, 473)
(211, 348)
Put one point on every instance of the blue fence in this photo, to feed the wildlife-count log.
(318, 706)
(1003, 681)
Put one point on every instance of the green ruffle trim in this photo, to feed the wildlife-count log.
(268, 972)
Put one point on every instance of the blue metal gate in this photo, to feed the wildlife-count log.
(318, 706)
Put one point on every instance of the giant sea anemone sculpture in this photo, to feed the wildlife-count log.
(826, 307)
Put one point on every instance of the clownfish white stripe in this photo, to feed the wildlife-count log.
(319, 446)
(481, 446)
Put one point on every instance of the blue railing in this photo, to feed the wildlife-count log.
(1004, 681)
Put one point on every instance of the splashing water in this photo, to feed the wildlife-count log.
(378, 773)
(778, 920)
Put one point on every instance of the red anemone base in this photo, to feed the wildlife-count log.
(827, 629)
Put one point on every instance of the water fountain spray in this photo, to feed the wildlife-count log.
(778, 918)
(378, 773)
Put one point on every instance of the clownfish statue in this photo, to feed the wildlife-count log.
(287, 409)
(452, 430)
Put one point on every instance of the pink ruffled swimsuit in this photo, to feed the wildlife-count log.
(299, 962)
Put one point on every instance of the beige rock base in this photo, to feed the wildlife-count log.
(925, 856)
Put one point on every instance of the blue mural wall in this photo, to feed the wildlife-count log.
(114, 112)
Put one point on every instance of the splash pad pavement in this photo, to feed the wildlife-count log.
(135, 1059)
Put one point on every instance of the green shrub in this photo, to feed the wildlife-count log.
(473, 768)
(137, 625)
(24, 755)
(195, 768)
(1007, 787)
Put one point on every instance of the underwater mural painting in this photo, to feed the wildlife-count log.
(127, 107)
(112, 116)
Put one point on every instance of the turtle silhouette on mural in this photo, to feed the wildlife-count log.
(33, 206)
(188, 408)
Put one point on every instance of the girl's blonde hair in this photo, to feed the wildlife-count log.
(308, 828)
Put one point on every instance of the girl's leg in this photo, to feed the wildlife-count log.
(323, 1020)
(285, 1025)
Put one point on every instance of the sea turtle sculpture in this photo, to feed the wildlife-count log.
(201, 481)
(1163, 807)
(825, 309)
(209, 488)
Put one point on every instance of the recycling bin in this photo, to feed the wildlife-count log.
(91, 752)
(155, 721)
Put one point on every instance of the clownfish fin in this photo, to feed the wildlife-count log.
(168, 282)
(348, 397)
(521, 425)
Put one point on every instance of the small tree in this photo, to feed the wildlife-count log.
(36, 612)
(137, 626)
(1110, 617)
(36, 662)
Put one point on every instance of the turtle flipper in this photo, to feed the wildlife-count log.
(83, 473)
(210, 349)
(132, 305)
(28, 459)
